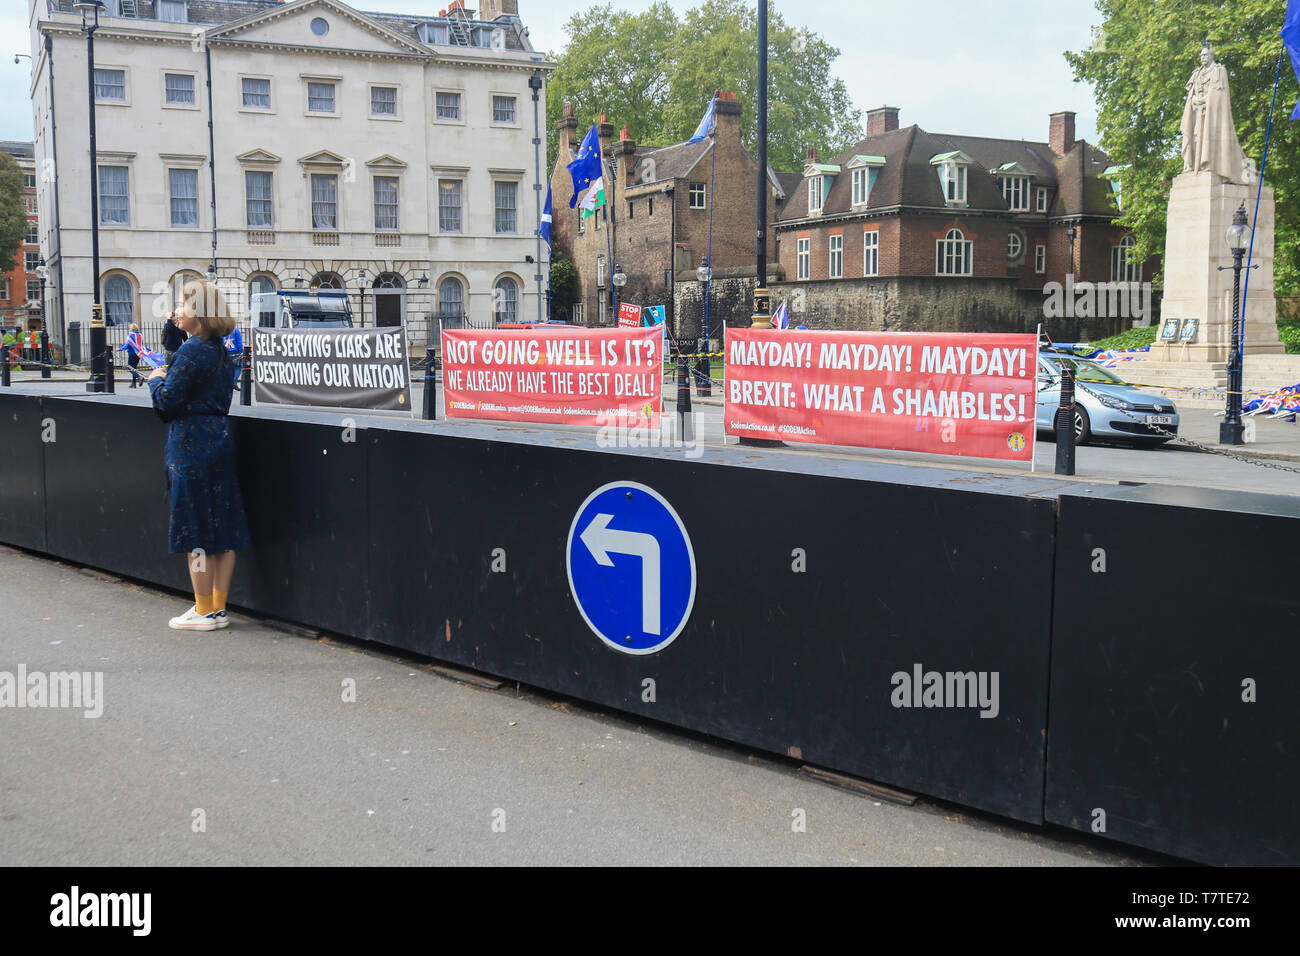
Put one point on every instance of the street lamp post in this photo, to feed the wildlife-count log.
(703, 381)
(361, 283)
(42, 273)
(1230, 429)
(618, 279)
(535, 84)
(101, 369)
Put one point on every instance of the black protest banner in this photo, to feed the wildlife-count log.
(338, 368)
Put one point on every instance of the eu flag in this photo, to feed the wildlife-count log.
(586, 169)
(1291, 37)
(708, 123)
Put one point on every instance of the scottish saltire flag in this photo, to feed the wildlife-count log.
(586, 168)
(595, 198)
(1291, 37)
(709, 122)
(544, 228)
(781, 317)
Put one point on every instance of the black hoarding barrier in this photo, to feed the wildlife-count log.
(1175, 698)
(22, 470)
(888, 621)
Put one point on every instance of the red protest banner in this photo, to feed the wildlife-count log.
(629, 316)
(560, 376)
(943, 393)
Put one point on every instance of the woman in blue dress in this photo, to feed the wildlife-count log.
(207, 510)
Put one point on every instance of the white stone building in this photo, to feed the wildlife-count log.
(391, 155)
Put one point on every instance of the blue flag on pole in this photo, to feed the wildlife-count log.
(1291, 37)
(707, 124)
(544, 228)
(586, 169)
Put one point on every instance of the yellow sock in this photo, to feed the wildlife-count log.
(203, 603)
(219, 599)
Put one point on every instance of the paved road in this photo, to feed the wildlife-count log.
(248, 726)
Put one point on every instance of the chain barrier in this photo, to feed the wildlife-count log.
(1248, 459)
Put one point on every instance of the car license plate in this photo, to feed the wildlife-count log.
(1159, 420)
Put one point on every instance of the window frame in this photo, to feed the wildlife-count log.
(31, 259)
(270, 201)
(133, 297)
(460, 196)
(311, 202)
(125, 98)
(459, 118)
(185, 11)
(193, 104)
(1122, 266)
(334, 85)
(498, 182)
(952, 247)
(171, 197)
(951, 173)
(817, 187)
(700, 189)
(270, 93)
(1019, 242)
(396, 114)
(126, 169)
(503, 315)
(835, 249)
(492, 106)
(1040, 258)
(1015, 188)
(396, 204)
(803, 258)
(872, 247)
(1040, 199)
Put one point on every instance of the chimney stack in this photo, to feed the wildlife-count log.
(1060, 134)
(882, 119)
(812, 154)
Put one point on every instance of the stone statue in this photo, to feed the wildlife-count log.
(1209, 137)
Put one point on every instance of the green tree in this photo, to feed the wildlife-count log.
(564, 286)
(13, 211)
(657, 74)
(1138, 68)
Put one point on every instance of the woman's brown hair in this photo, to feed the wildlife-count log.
(208, 305)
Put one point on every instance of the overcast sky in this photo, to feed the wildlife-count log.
(976, 67)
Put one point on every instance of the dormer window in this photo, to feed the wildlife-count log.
(1015, 190)
(865, 169)
(951, 168)
(1113, 175)
(820, 177)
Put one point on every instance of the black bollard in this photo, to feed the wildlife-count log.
(110, 382)
(430, 387)
(703, 381)
(45, 354)
(1065, 424)
(246, 386)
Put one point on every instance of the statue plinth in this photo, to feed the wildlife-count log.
(1201, 205)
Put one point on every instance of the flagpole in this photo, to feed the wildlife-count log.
(535, 84)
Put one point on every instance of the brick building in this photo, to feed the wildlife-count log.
(657, 222)
(905, 202)
(20, 286)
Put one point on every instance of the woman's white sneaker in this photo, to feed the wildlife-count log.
(192, 620)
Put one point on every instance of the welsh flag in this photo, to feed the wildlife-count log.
(595, 198)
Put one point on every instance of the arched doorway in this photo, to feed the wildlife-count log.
(390, 298)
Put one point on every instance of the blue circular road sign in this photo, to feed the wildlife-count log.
(631, 567)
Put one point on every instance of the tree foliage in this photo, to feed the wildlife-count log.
(657, 73)
(13, 211)
(564, 285)
(1138, 67)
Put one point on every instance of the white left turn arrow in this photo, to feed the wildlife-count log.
(601, 540)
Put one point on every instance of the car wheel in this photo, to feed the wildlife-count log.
(1082, 427)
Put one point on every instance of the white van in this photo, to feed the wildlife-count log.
(300, 309)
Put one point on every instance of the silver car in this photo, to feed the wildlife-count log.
(1127, 412)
